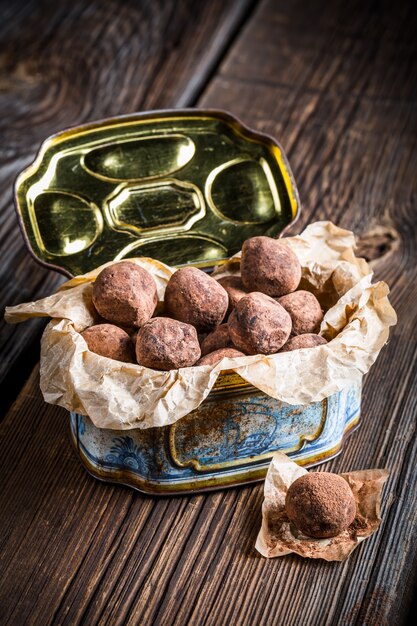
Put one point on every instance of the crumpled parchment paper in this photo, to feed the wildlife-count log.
(278, 536)
(122, 396)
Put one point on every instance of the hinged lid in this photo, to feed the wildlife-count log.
(181, 186)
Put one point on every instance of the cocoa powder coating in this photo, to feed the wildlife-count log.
(166, 344)
(320, 504)
(110, 341)
(218, 338)
(269, 266)
(305, 311)
(259, 325)
(298, 342)
(214, 357)
(235, 290)
(125, 294)
(193, 297)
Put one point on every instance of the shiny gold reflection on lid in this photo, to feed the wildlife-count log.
(140, 158)
(176, 250)
(83, 222)
(171, 205)
(183, 186)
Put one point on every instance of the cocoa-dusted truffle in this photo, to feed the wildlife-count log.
(269, 266)
(217, 339)
(259, 325)
(125, 294)
(305, 311)
(110, 341)
(166, 344)
(192, 296)
(303, 341)
(214, 357)
(235, 290)
(320, 504)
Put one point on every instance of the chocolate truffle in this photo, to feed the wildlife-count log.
(166, 344)
(303, 341)
(305, 311)
(192, 296)
(125, 294)
(259, 325)
(320, 504)
(217, 339)
(214, 357)
(235, 290)
(269, 266)
(110, 341)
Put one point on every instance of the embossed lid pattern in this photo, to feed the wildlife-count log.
(181, 186)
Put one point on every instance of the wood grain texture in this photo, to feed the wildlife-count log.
(338, 88)
(341, 96)
(65, 63)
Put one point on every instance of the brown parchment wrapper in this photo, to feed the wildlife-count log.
(122, 396)
(278, 536)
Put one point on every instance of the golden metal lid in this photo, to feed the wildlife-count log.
(180, 186)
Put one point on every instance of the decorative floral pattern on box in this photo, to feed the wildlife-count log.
(225, 441)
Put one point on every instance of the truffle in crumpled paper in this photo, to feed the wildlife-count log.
(278, 536)
(124, 395)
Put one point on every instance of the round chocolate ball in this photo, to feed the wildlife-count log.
(269, 266)
(259, 325)
(166, 344)
(110, 341)
(125, 294)
(235, 290)
(192, 296)
(320, 504)
(214, 357)
(218, 338)
(303, 341)
(305, 311)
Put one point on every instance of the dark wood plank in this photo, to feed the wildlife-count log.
(65, 63)
(341, 97)
(337, 86)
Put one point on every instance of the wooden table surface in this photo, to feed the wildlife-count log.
(336, 83)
